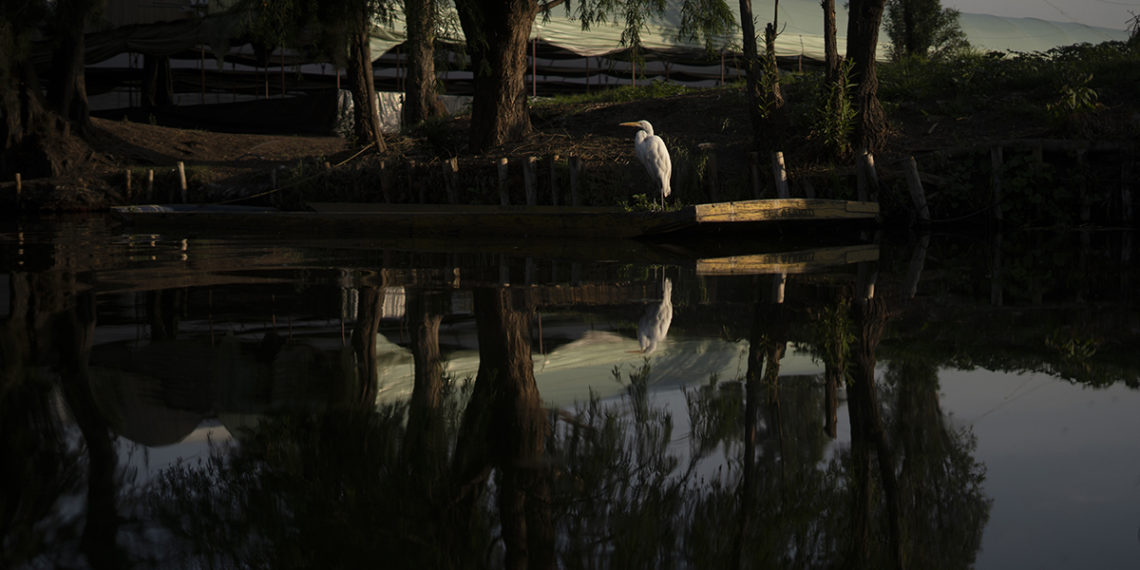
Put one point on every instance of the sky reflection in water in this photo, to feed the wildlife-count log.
(262, 327)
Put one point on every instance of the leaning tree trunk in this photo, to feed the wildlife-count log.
(772, 70)
(67, 85)
(365, 106)
(496, 35)
(863, 22)
(420, 101)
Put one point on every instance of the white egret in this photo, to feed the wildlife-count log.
(653, 155)
(654, 324)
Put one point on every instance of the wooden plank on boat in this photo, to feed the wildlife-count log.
(381, 208)
(803, 261)
(784, 209)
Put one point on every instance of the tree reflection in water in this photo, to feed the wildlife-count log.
(46, 345)
(479, 474)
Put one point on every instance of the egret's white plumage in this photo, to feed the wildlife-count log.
(651, 151)
(654, 324)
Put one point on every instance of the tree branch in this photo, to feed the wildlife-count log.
(552, 4)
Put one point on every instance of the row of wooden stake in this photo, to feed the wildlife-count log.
(150, 183)
(530, 178)
(997, 166)
(866, 176)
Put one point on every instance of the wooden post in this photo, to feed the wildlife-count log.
(202, 72)
(722, 67)
(866, 276)
(809, 188)
(712, 171)
(996, 162)
(779, 282)
(127, 180)
(997, 299)
(575, 176)
(150, 184)
(530, 268)
(866, 176)
(182, 180)
(754, 168)
(530, 181)
(421, 189)
(914, 268)
(917, 194)
(386, 181)
(504, 194)
(19, 190)
(554, 180)
(1083, 188)
(781, 175)
(1125, 193)
(451, 178)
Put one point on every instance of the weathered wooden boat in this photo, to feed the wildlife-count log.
(423, 220)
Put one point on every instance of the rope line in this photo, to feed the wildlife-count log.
(295, 182)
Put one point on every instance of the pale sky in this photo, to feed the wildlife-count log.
(1101, 13)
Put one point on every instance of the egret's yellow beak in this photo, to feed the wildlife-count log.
(630, 124)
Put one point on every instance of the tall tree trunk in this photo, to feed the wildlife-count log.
(910, 33)
(365, 106)
(29, 132)
(867, 430)
(863, 22)
(420, 101)
(158, 82)
(752, 72)
(424, 440)
(369, 307)
(76, 330)
(830, 43)
(67, 85)
(505, 425)
(496, 33)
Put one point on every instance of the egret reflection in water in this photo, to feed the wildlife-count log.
(654, 324)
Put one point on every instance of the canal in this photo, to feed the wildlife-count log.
(836, 399)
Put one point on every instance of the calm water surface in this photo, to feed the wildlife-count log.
(192, 400)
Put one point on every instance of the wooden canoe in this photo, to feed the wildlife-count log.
(420, 220)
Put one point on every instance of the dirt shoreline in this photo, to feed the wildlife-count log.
(225, 166)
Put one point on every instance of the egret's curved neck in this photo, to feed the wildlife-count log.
(648, 128)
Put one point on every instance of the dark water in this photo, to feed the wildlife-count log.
(943, 401)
